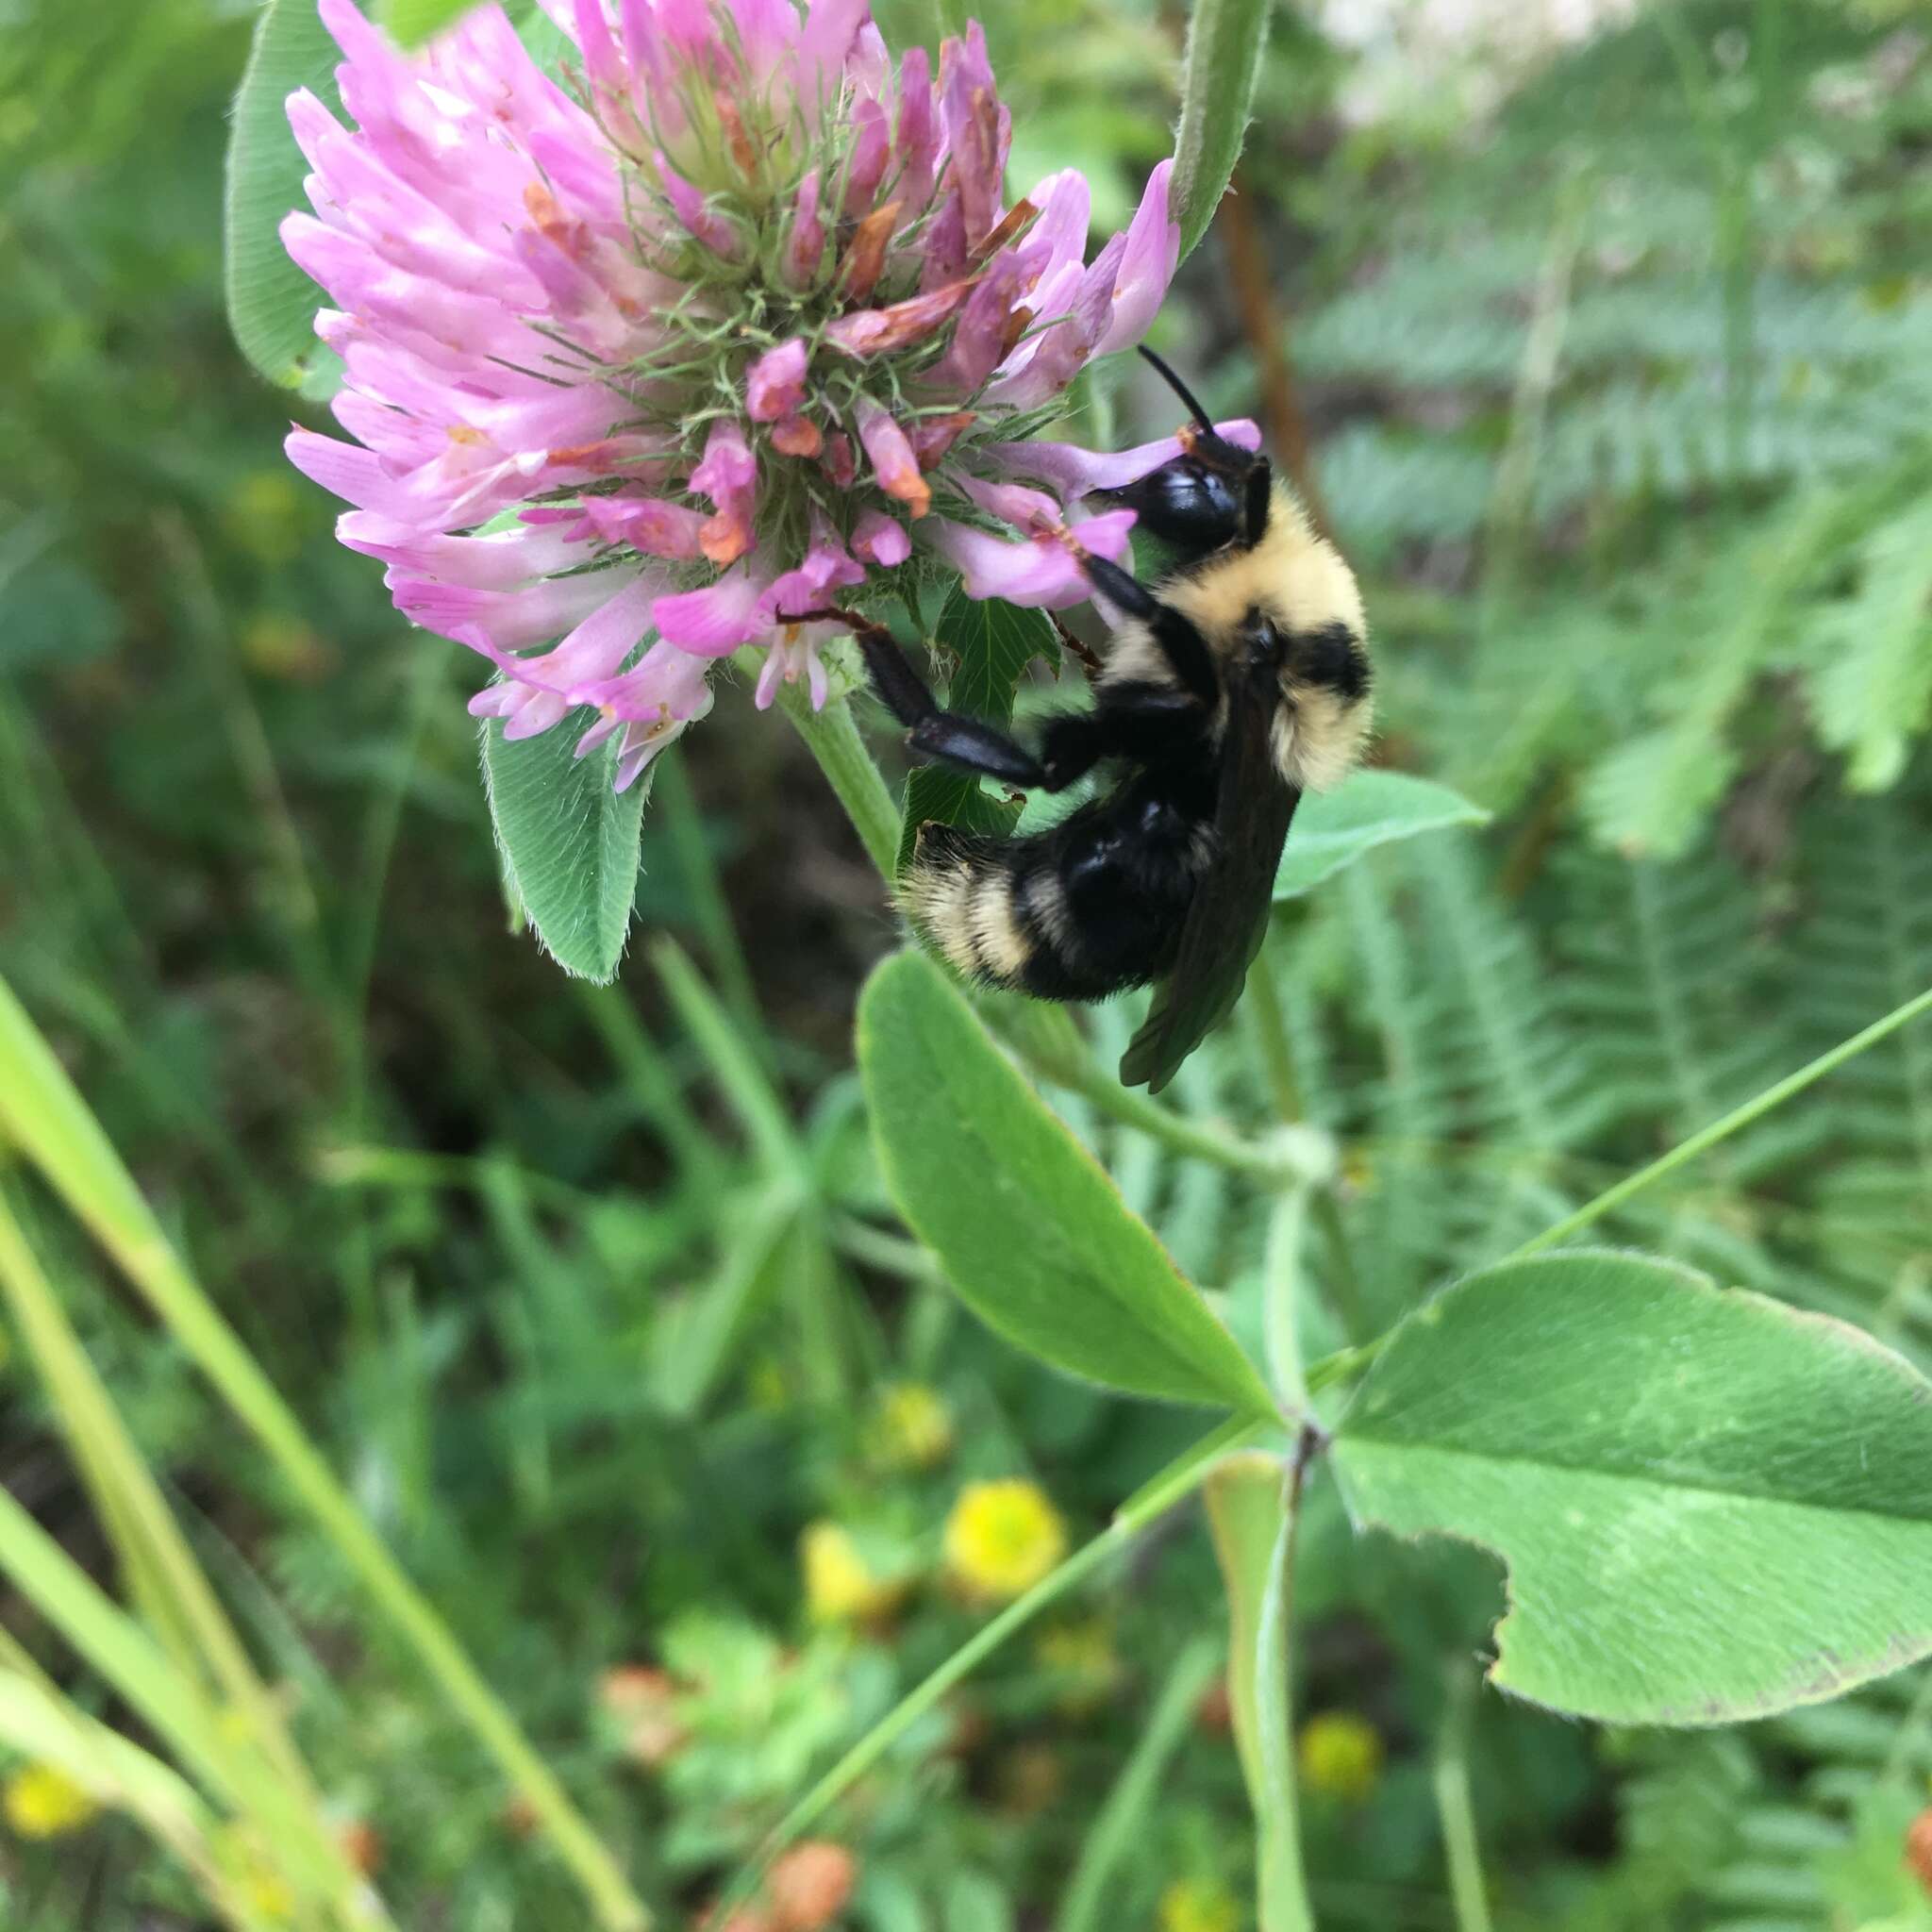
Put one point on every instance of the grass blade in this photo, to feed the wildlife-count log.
(227, 1766)
(43, 1114)
(162, 1575)
(1131, 1802)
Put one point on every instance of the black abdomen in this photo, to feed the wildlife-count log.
(1089, 908)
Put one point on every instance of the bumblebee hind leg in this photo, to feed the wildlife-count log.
(953, 737)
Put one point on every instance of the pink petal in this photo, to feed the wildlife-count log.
(1074, 471)
(664, 679)
(503, 560)
(916, 141)
(805, 244)
(713, 621)
(871, 151)
(1032, 510)
(978, 131)
(1147, 264)
(508, 620)
(1042, 573)
(933, 435)
(946, 245)
(690, 208)
(648, 523)
(880, 539)
(892, 459)
(873, 331)
(775, 386)
(794, 654)
(827, 566)
(727, 473)
(990, 323)
(831, 31)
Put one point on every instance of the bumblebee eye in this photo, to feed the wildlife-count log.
(1186, 504)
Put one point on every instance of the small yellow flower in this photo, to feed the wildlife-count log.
(1341, 1756)
(1081, 1655)
(839, 1586)
(269, 1896)
(914, 1429)
(281, 646)
(264, 513)
(1199, 1905)
(1002, 1537)
(42, 1801)
(258, 1886)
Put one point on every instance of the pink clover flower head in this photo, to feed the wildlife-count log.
(720, 322)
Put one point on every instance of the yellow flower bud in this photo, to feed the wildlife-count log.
(1003, 1536)
(1081, 1655)
(914, 1429)
(265, 513)
(1199, 1905)
(42, 1801)
(1341, 1756)
(840, 1586)
(246, 1864)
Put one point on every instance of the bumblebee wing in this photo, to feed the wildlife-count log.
(1230, 915)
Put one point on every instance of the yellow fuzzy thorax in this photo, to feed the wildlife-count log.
(1298, 581)
(1291, 576)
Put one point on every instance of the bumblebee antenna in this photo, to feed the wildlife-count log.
(1180, 388)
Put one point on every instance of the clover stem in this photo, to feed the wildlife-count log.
(833, 739)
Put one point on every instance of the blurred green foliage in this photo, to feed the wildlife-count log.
(1616, 365)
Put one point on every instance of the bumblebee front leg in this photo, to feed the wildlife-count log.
(952, 737)
(1183, 647)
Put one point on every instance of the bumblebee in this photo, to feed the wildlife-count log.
(1234, 682)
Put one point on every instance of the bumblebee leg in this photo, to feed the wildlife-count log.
(1186, 649)
(1143, 722)
(1119, 588)
(1087, 659)
(976, 746)
(951, 736)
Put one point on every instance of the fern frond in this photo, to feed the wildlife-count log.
(1869, 656)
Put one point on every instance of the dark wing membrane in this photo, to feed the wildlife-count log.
(1229, 916)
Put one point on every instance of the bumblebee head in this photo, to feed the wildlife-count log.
(1213, 497)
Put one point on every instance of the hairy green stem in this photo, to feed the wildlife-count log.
(1732, 1122)
(833, 739)
(1283, 1887)
(1350, 1362)
(1460, 1846)
(1283, 1284)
